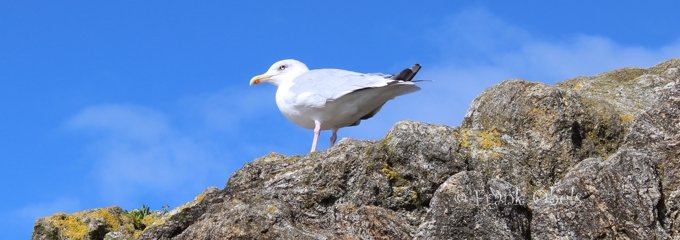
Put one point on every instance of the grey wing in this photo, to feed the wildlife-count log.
(331, 84)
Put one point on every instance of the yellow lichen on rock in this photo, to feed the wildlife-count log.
(489, 139)
(627, 118)
(391, 174)
(482, 143)
(578, 86)
(71, 227)
(414, 196)
(150, 219)
(146, 222)
(81, 225)
(109, 218)
(464, 138)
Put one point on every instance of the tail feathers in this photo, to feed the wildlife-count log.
(407, 74)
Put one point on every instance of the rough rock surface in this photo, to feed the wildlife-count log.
(592, 157)
(355, 189)
(633, 194)
(467, 205)
(102, 223)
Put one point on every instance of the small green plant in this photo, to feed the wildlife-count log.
(138, 215)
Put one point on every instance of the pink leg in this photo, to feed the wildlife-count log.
(334, 136)
(317, 131)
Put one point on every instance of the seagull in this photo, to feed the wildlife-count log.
(329, 99)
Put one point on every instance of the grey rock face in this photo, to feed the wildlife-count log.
(592, 157)
(468, 206)
(630, 195)
(356, 189)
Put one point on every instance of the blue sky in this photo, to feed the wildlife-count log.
(130, 102)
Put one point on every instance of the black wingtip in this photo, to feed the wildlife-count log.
(407, 74)
(414, 71)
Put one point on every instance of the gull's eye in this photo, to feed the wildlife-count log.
(282, 67)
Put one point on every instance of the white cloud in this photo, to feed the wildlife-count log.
(477, 49)
(579, 55)
(136, 151)
(129, 122)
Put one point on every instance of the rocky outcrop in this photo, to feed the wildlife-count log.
(592, 157)
(110, 223)
(632, 194)
(357, 188)
(103, 223)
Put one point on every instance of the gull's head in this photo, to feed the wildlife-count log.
(280, 72)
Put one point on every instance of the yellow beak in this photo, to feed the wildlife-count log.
(259, 78)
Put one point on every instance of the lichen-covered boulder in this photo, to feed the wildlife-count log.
(111, 223)
(90, 224)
